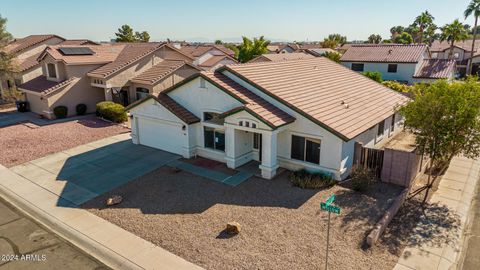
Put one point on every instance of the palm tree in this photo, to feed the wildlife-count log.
(473, 8)
(374, 39)
(452, 33)
(250, 49)
(423, 21)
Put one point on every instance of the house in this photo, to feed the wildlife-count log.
(209, 57)
(462, 52)
(320, 51)
(403, 63)
(26, 51)
(88, 74)
(293, 114)
(291, 47)
(270, 57)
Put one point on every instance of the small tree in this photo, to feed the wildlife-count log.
(333, 40)
(374, 39)
(7, 63)
(218, 42)
(404, 38)
(142, 37)
(445, 118)
(126, 34)
(250, 49)
(334, 56)
(374, 75)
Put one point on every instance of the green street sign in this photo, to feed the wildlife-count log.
(330, 199)
(327, 205)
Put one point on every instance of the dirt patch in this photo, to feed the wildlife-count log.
(20, 143)
(282, 226)
(209, 164)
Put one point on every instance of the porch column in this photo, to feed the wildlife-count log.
(269, 164)
(230, 147)
(108, 94)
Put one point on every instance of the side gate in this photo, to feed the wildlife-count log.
(369, 158)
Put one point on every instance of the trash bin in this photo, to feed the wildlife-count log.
(22, 106)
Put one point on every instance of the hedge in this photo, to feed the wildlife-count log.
(81, 109)
(112, 111)
(311, 180)
(60, 111)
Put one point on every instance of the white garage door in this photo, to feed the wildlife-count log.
(164, 136)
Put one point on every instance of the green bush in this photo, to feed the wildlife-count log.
(361, 178)
(60, 111)
(399, 87)
(112, 111)
(374, 75)
(305, 179)
(81, 109)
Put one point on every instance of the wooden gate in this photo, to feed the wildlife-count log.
(372, 159)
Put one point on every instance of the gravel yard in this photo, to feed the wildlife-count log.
(282, 226)
(20, 143)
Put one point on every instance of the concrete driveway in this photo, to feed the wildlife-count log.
(84, 172)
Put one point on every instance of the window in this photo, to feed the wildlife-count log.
(392, 124)
(213, 118)
(305, 149)
(247, 124)
(254, 125)
(214, 139)
(257, 140)
(392, 68)
(456, 55)
(141, 93)
(357, 67)
(52, 72)
(381, 128)
(202, 83)
(240, 123)
(435, 55)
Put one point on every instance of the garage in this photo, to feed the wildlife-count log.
(164, 135)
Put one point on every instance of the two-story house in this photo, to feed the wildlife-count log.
(209, 57)
(462, 52)
(88, 74)
(403, 63)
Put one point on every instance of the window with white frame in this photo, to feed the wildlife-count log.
(214, 139)
(381, 129)
(51, 70)
(305, 149)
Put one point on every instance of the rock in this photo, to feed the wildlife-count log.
(116, 199)
(233, 228)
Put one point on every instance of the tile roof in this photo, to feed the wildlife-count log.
(391, 53)
(130, 53)
(320, 51)
(268, 113)
(43, 86)
(340, 100)
(282, 57)
(214, 60)
(21, 44)
(199, 50)
(102, 54)
(79, 42)
(171, 105)
(27, 63)
(435, 69)
(440, 46)
(159, 71)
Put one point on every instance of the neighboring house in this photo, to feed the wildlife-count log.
(291, 47)
(320, 51)
(209, 57)
(282, 114)
(270, 57)
(462, 52)
(403, 63)
(26, 51)
(89, 74)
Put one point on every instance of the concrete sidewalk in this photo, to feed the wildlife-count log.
(108, 243)
(437, 244)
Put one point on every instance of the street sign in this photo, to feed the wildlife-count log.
(327, 206)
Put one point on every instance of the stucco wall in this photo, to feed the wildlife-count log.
(37, 104)
(404, 71)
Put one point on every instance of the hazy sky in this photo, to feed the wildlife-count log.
(222, 19)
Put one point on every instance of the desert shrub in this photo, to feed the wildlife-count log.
(305, 179)
(361, 178)
(399, 87)
(60, 111)
(374, 75)
(81, 109)
(111, 111)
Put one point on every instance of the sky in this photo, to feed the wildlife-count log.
(208, 20)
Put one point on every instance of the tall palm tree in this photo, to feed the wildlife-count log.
(473, 8)
(452, 33)
(423, 21)
(250, 49)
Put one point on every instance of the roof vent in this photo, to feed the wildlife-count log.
(315, 67)
(346, 106)
(390, 51)
(342, 102)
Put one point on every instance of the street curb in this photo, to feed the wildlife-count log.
(78, 239)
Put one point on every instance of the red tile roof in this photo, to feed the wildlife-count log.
(391, 53)
(268, 113)
(435, 69)
(340, 100)
(159, 71)
(43, 86)
(22, 44)
(102, 54)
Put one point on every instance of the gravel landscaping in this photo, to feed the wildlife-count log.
(282, 226)
(24, 142)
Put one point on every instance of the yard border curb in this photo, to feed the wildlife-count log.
(100, 252)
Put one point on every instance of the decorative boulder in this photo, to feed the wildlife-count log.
(116, 199)
(233, 228)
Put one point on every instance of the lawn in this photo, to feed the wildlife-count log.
(21, 143)
(282, 226)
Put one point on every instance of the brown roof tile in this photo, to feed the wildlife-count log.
(392, 53)
(329, 94)
(282, 57)
(79, 42)
(43, 86)
(27, 63)
(214, 60)
(21, 44)
(270, 114)
(435, 69)
(199, 50)
(156, 73)
(102, 54)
